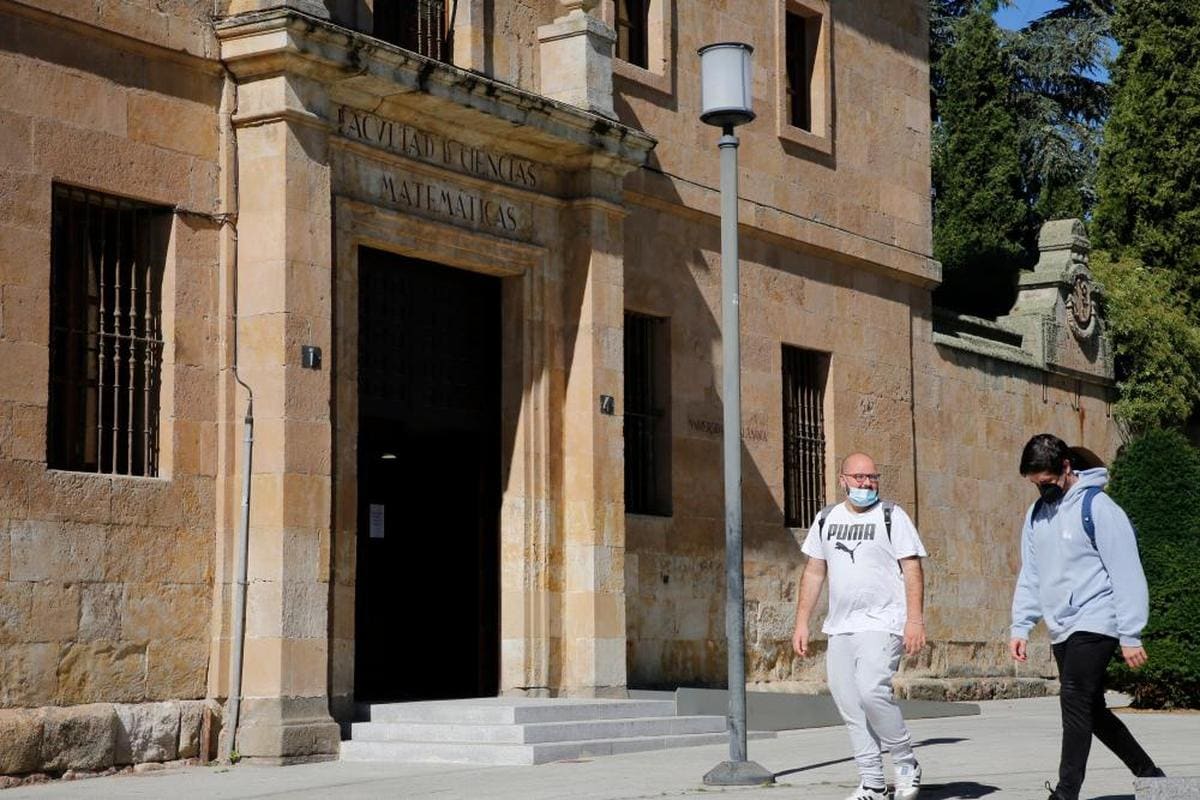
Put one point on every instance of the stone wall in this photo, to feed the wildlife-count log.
(972, 498)
(98, 738)
(835, 252)
(674, 565)
(106, 582)
(859, 189)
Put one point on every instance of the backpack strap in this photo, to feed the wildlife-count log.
(821, 518)
(1089, 523)
(888, 505)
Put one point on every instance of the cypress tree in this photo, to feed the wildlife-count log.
(1149, 175)
(979, 214)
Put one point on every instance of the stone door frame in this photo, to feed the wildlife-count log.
(525, 524)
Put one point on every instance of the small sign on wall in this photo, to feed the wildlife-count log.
(376, 521)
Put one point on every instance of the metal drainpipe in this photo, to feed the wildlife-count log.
(242, 543)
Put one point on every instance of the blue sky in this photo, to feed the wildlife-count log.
(1021, 11)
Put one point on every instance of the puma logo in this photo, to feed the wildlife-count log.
(840, 546)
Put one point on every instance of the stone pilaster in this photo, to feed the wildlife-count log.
(284, 290)
(593, 507)
(576, 59)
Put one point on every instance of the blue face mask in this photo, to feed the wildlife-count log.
(863, 497)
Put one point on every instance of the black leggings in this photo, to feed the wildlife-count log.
(1082, 661)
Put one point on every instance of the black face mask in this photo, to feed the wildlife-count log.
(1050, 492)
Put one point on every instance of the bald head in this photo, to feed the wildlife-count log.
(857, 462)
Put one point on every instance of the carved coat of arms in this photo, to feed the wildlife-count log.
(1081, 310)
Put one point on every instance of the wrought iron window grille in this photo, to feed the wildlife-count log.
(106, 339)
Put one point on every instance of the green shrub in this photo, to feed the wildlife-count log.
(1156, 479)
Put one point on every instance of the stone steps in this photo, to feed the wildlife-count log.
(521, 754)
(516, 731)
(516, 710)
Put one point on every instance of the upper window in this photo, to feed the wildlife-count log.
(803, 33)
(422, 26)
(804, 65)
(804, 374)
(106, 345)
(644, 42)
(647, 415)
(632, 18)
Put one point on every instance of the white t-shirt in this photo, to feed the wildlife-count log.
(866, 587)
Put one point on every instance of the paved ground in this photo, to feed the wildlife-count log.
(1006, 752)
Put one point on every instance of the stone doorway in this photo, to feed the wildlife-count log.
(427, 591)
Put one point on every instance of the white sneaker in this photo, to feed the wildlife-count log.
(908, 781)
(866, 793)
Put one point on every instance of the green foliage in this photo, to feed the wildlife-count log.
(1016, 128)
(1157, 347)
(1156, 479)
(979, 217)
(1149, 174)
(1061, 104)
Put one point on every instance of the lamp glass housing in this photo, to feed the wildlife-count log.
(725, 84)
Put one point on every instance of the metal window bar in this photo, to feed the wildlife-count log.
(106, 338)
(644, 414)
(418, 25)
(803, 435)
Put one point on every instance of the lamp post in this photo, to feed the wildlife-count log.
(725, 79)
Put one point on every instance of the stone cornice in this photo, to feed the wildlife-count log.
(188, 43)
(266, 44)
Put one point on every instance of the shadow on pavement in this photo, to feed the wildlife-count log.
(958, 789)
(922, 743)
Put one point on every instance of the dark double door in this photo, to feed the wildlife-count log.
(427, 580)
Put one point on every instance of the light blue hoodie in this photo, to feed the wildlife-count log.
(1074, 585)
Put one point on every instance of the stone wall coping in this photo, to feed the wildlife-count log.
(988, 348)
(264, 44)
(990, 339)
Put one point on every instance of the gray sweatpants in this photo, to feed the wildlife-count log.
(860, 667)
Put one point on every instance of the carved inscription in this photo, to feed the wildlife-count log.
(420, 145)
(447, 201)
(714, 428)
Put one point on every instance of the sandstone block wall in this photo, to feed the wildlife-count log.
(972, 499)
(105, 582)
(99, 736)
(861, 191)
(674, 565)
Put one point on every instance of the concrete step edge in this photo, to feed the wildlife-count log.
(537, 732)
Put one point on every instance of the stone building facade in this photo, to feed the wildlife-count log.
(473, 285)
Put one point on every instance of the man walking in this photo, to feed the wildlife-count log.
(872, 555)
(1081, 573)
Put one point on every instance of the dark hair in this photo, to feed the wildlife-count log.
(1044, 453)
(1082, 458)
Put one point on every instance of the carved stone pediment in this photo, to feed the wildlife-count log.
(1059, 305)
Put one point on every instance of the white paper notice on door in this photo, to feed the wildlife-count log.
(376, 521)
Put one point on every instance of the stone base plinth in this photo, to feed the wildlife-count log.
(1167, 788)
(99, 736)
(978, 688)
(287, 730)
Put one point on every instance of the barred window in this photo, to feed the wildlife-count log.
(804, 376)
(422, 26)
(107, 257)
(647, 415)
(633, 31)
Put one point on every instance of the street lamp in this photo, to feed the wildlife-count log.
(725, 79)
